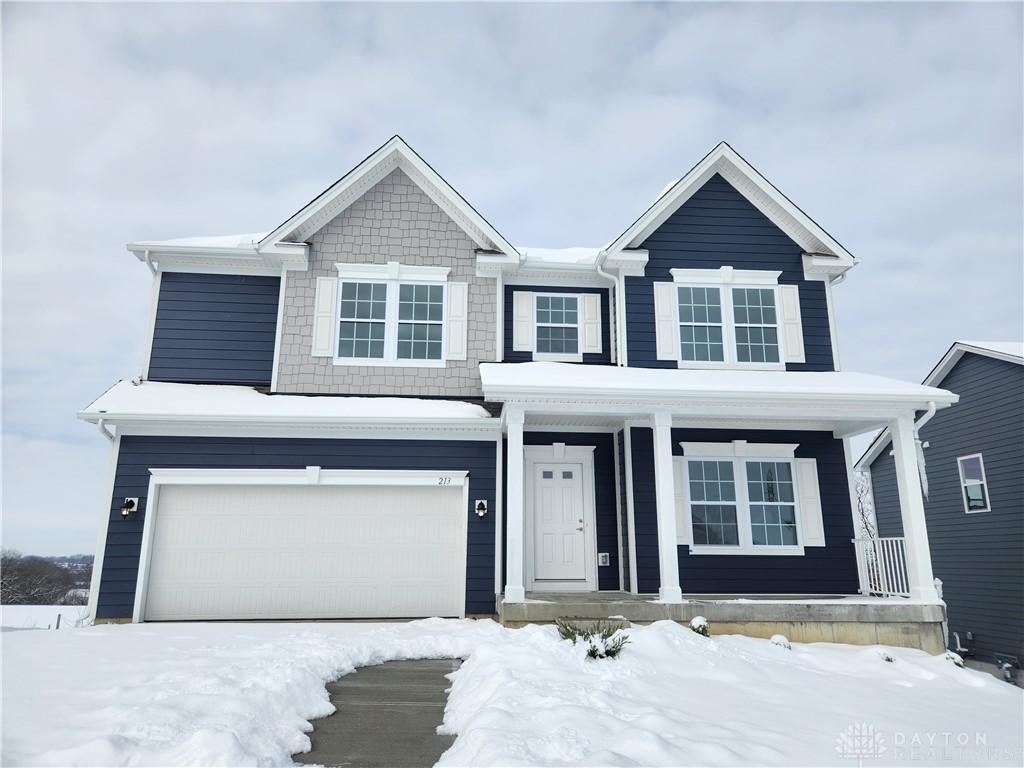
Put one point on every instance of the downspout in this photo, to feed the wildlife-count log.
(921, 469)
(103, 430)
(616, 294)
(149, 261)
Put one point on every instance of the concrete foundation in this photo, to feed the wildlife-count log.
(802, 619)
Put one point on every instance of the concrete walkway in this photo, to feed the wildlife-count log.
(386, 717)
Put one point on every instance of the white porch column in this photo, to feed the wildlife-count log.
(514, 551)
(664, 486)
(915, 531)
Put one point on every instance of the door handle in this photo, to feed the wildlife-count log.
(580, 528)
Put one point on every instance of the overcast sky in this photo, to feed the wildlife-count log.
(898, 128)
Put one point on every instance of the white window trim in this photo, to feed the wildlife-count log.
(561, 358)
(739, 452)
(725, 279)
(963, 483)
(393, 275)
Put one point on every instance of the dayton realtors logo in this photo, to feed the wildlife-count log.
(860, 741)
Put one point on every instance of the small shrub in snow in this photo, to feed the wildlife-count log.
(886, 656)
(700, 625)
(604, 639)
(782, 641)
(956, 658)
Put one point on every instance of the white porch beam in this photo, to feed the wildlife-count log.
(915, 530)
(668, 558)
(515, 553)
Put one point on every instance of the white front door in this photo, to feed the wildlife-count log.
(558, 536)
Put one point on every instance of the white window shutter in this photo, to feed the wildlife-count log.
(325, 314)
(590, 323)
(683, 526)
(792, 327)
(812, 529)
(665, 321)
(456, 327)
(522, 321)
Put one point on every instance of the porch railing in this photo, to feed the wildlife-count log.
(882, 566)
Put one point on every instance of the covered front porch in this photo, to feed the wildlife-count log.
(671, 553)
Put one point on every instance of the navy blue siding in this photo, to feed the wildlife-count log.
(139, 454)
(604, 496)
(524, 357)
(215, 329)
(620, 439)
(831, 569)
(719, 227)
(979, 557)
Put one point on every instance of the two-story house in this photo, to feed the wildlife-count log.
(382, 408)
(975, 505)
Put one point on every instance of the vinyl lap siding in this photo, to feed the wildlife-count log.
(215, 329)
(604, 358)
(979, 557)
(139, 454)
(719, 227)
(620, 438)
(831, 569)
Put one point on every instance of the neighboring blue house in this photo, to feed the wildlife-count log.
(975, 505)
(381, 408)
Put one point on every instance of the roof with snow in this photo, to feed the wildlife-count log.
(218, 403)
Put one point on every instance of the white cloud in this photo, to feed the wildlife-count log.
(896, 126)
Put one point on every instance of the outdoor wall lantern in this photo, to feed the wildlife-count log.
(129, 506)
(481, 508)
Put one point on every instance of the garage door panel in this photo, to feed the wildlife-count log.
(222, 552)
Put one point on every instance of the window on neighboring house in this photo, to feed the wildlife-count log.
(973, 484)
(757, 335)
(742, 504)
(420, 321)
(557, 328)
(362, 320)
(700, 324)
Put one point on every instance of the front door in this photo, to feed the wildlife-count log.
(558, 537)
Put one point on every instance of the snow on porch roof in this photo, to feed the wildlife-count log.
(155, 400)
(510, 381)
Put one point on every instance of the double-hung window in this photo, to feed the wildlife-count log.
(728, 318)
(739, 498)
(973, 485)
(363, 319)
(420, 321)
(557, 326)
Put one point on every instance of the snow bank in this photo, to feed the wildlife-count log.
(243, 694)
(42, 616)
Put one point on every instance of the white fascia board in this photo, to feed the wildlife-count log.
(724, 160)
(394, 153)
(628, 263)
(250, 261)
(956, 351)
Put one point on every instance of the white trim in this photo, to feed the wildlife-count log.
(963, 483)
(154, 302)
(559, 453)
(851, 485)
(627, 444)
(278, 331)
(392, 270)
(833, 330)
(740, 448)
(726, 276)
(394, 153)
(746, 546)
(309, 476)
(764, 196)
(499, 316)
(616, 459)
(499, 509)
(101, 537)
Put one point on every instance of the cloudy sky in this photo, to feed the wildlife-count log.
(898, 128)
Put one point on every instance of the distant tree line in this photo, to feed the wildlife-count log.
(30, 580)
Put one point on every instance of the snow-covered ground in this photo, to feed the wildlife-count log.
(243, 694)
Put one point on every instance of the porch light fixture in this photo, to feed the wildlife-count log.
(481, 508)
(129, 506)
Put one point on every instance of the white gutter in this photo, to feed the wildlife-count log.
(613, 314)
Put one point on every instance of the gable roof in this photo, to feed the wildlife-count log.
(728, 163)
(1010, 351)
(394, 153)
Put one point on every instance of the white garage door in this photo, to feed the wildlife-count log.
(306, 552)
